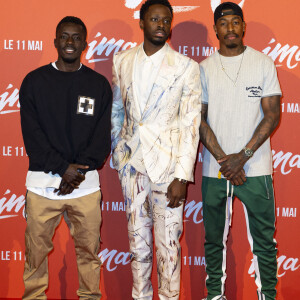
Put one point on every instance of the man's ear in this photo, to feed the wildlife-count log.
(142, 24)
(215, 29)
(55, 43)
(85, 45)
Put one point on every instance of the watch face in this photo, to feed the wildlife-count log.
(181, 180)
(248, 152)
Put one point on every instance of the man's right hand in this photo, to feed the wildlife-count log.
(232, 168)
(72, 177)
(64, 189)
(238, 179)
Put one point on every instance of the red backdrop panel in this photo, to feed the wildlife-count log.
(26, 42)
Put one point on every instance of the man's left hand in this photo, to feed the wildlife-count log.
(176, 193)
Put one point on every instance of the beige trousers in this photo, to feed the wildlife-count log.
(43, 216)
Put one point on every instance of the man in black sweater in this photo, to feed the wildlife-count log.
(65, 118)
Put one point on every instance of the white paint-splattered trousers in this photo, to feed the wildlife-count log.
(146, 208)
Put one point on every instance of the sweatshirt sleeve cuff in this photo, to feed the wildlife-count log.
(61, 171)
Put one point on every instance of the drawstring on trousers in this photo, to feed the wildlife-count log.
(229, 203)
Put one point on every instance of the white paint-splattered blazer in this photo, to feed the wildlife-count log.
(167, 131)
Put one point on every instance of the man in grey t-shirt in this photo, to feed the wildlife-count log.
(240, 110)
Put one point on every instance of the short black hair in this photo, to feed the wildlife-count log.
(148, 3)
(74, 20)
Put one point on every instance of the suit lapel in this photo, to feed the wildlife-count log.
(128, 77)
(134, 90)
(167, 74)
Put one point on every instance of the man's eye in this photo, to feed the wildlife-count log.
(167, 21)
(77, 38)
(64, 37)
(154, 19)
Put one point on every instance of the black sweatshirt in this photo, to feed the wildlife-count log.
(65, 118)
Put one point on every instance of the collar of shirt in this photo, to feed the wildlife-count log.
(156, 58)
(55, 67)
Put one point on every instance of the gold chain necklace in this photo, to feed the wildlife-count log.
(238, 72)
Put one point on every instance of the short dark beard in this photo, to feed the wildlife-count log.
(158, 43)
(69, 60)
(232, 46)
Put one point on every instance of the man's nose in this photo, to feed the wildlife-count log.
(161, 23)
(70, 40)
(229, 27)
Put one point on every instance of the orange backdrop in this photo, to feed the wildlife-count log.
(26, 39)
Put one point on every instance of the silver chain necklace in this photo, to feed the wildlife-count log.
(238, 72)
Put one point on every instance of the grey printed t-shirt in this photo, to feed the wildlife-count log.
(234, 110)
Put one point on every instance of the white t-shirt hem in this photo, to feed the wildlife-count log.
(44, 184)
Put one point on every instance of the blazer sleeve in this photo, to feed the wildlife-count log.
(189, 123)
(118, 112)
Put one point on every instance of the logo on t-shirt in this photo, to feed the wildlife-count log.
(85, 105)
(254, 91)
